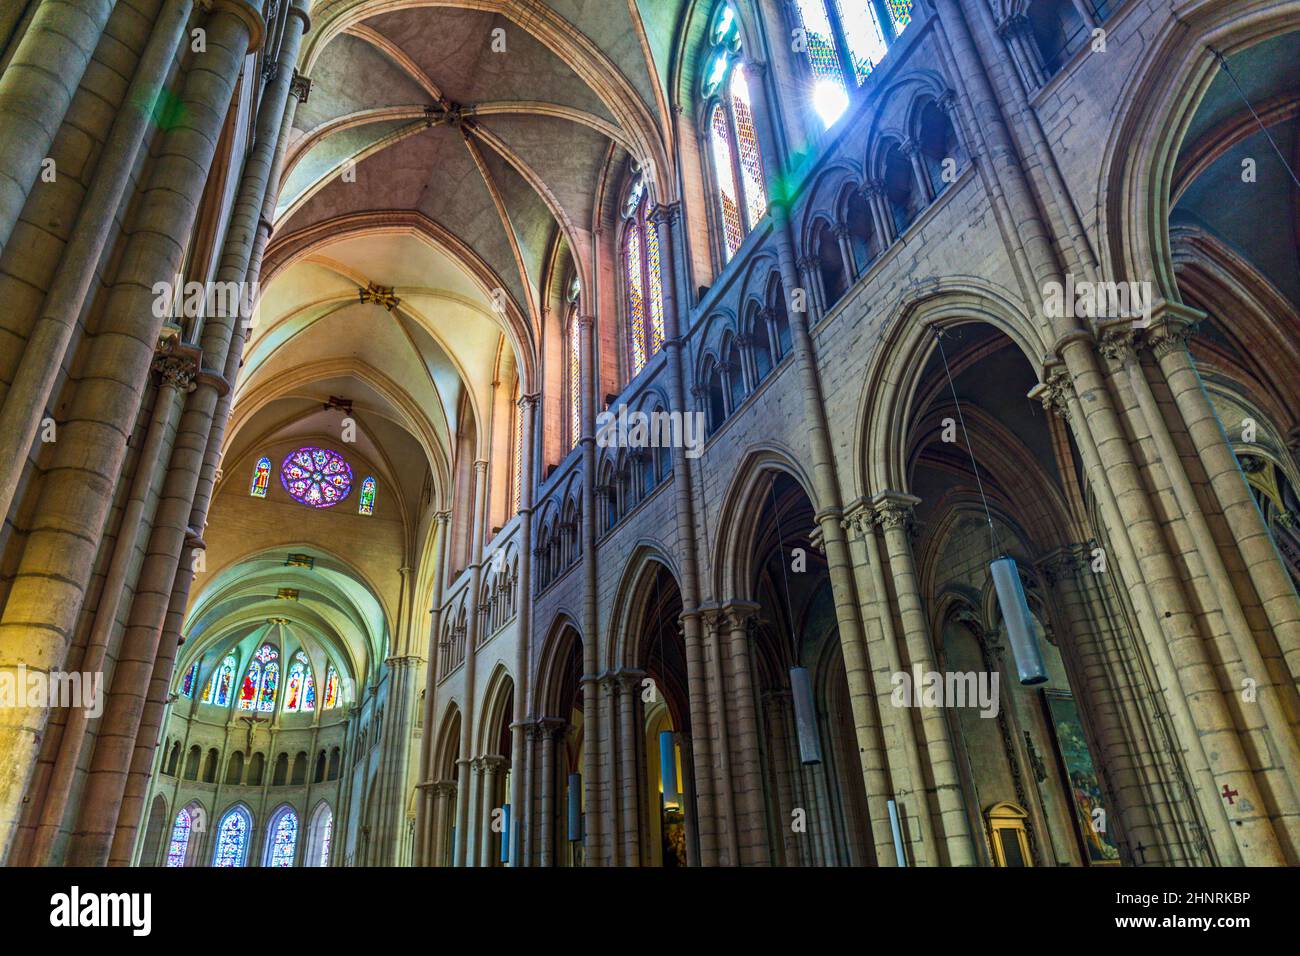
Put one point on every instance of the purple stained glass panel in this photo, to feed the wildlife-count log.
(316, 477)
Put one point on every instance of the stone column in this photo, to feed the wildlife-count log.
(921, 178)
(873, 191)
(845, 241)
(752, 823)
(1171, 328)
(1018, 34)
(776, 706)
(463, 808)
(1277, 727)
(520, 787)
(36, 89)
(70, 514)
(549, 728)
(715, 731)
(444, 791)
(895, 514)
(630, 731)
(613, 822)
(897, 764)
(589, 386)
(176, 366)
(492, 768)
(667, 221)
(27, 397)
(429, 740)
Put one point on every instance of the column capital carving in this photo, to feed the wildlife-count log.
(550, 726)
(1117, 343)
(493, 763)
(737, 613)
(806, 264)
(585, 322)
(858, 518)
(300, 87)
(665, 213)
(444, 788)
(528, 400)
(176, 362)
(1172, 327)
(872, 189)
(841, 229)
(1055, 391)
(894, 509)
(630, 679)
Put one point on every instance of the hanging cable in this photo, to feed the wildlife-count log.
(993, 535)
(1259, 122)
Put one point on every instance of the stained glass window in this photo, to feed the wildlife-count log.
(366, 506)
(180, 840)
(331, 688)
(733, 139)
(257, 692)
(643, 272)
(284, 838)
(863, 36)
(900, 13)
(574, 346)
(296, 687)
(844, 41)
(232, 838)
(720, 135)
(187, 684)
(326, 841)
(309, 692)
(828, 93)
(217, 690)
(635, 268)
(261, 478)
(751, 166)
(316, 477)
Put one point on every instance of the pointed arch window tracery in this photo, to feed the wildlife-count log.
(261, 681)
(642, 278)
(844, 41)
(733, 139)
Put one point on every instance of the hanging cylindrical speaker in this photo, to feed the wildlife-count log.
(668, 769)
(805, 715)
(1018, 621)
(575, 807)
(895, 825)
(505, 833)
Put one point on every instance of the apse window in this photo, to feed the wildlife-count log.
(261, 478)
(366, 504)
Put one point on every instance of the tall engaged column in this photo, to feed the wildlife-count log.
(895, 514)
(520, 804)
(36, 89)
(666, 219)
(76, 494)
